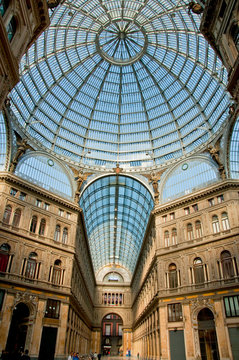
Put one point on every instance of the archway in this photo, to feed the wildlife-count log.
(207, 335)
(18, 328)
(111, 343)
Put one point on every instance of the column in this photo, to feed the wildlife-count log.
(164, 343)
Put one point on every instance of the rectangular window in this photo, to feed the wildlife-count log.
(175, 312)
(195, 207)
(107, 330)
(13, 192)
(2, 293)
(231, 304)
(68, 215)
(211, 202)
(172, 216)
(120, 333)
(164, 218)
(22, 196)
(38, 202)
(60, 212)
(46, 206)
(187, 211)
(220, 199)
(52, 309)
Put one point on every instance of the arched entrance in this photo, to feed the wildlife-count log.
(207, 335)
(18, 328)
(111, 343)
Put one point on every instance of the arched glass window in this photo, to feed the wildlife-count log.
(11, 28)
(42, 227)
(4, 257)
(16, 217)
(215, 224)
(166, 238)
(227, 265)
(225, 221)
(31, 266)
(189, 231)
(65, 235)
(7, 214)
(33, 224)
(57, 233)
(198, 271)
(172, 274)
(174, 236)
(3, 6)
(56, 273)
(198, 229)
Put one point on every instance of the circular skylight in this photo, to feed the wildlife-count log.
(128, 82)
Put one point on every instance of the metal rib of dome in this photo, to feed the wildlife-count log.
(116, 211)
(130, 82)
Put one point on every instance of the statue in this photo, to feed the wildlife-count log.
(80, 177)
(195, 8)
(214, 152)
(21, 149)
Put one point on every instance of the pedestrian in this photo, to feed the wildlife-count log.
(25, 356)
(99, 356)
(70, 357)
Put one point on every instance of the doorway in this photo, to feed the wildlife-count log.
(48, 343)
(112, 335)
(207, 335)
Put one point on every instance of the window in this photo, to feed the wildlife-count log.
(13, 192)
(30, 271)
(215, 224)
(225, 221)
(57, 233)
(107, 330)
(175, 312)
(187, 211)
(11, 28)
(231, 304)
(195, 207)
(33, 224)
(56, 273)
(198, 229)
(198, 271)
(166, 238)
(38, 202)
(52, 309)
(16, 218)
(7, 214)
(220, 199)
(3, 6)
(172, 273)
(189, 231)
(42, 227)
(60, 212)
(172, 216)
(68, 215)
(235, 34)
(2, 293)
(211, 202)
(46, 206)
(164, 218)
(227, 265)
(22, 196)
(174, 236)
(65, 235)
(4, 257)
(120, 333)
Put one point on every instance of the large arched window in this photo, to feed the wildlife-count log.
(11, 28)
(215, 224)
(172, 276)
(56, 273)
(65, 236)
(16, 218)
(189, 231)
(33, 225)
(198, 271)
(57, 233)
(42, 227)
(174, 236)
(31, 265)
(4, 257)
(166, 238)
(7, 214)
(225, 221)
(198, 229)
(227, 265)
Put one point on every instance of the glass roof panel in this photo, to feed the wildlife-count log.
(116, 210)
(120, 79)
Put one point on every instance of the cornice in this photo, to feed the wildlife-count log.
(197, 195)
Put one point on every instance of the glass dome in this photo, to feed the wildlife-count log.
(130, 82)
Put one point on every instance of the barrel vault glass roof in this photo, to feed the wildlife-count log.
(121, 81)
(117, 210)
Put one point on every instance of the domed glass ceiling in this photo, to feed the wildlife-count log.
(130, 82)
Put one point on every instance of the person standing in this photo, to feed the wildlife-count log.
(70, 357)
(25, 356)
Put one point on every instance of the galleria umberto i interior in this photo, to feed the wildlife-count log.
(119, 178)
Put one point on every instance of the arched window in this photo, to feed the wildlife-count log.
(166, 238)
(172, 274)
(7, 214)
(198, 271)
(11, 28)
(16, 217)
(57, 233)
(33, 225)
(3, 6)
(174, 236)
(42, 227)
(4, 257)
(227, 265)
(56, 273)
(198, 228)
(215, 224)
(31, 266)
(65, 235)
(225, 221)
(189, 231)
